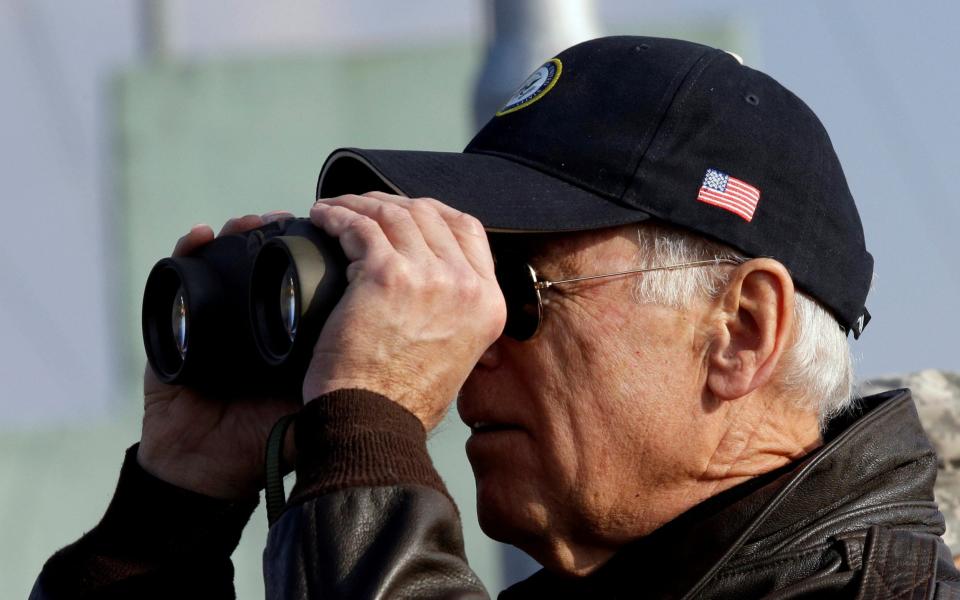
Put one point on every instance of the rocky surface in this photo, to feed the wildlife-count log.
(937, 395)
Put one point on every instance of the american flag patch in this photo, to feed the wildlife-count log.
(729, 193)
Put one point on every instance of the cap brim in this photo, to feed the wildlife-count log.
(502, 194)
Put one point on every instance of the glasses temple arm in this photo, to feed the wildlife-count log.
(544, 284)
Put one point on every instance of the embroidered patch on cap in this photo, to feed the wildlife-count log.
(729, 193)
(534, 88)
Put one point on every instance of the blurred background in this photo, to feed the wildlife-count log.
(124, 122)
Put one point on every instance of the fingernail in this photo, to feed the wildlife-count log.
(199, 226)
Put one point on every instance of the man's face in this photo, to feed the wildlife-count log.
(585, 426)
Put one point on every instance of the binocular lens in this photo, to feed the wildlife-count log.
(308, 272)
(166, 320)
(275, 317)
(180, 323)
(289, 303)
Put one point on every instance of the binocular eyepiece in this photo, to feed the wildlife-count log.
(243, 312)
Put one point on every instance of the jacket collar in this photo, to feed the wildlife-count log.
(818, 496)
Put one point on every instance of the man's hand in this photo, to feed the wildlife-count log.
(421, 306)
(214, 446)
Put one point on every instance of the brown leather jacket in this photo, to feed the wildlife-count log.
(369, 518)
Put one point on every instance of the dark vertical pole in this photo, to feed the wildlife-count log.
(521, 35)
(153, 30)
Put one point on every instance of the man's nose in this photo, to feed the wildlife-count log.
(490, 359)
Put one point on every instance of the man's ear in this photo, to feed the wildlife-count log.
(753, 323)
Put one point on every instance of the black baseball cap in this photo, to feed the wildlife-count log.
(624, 129)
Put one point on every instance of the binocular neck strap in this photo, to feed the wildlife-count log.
(276, 497)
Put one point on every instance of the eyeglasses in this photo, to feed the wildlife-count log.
(522, 290)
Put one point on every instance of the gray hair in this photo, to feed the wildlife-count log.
(818, 366)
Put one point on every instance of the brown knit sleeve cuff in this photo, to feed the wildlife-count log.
(358, 438)
(150, 517)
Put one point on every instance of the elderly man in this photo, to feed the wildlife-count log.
(654, 368)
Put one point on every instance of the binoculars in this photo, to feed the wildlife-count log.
(243, 313)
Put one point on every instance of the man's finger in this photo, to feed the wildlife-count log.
(198, 235)
(277, 215)
(360, 236)
(466, 231)
(436, 230)
(470, 235)
(241, 224)
(396, 222)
